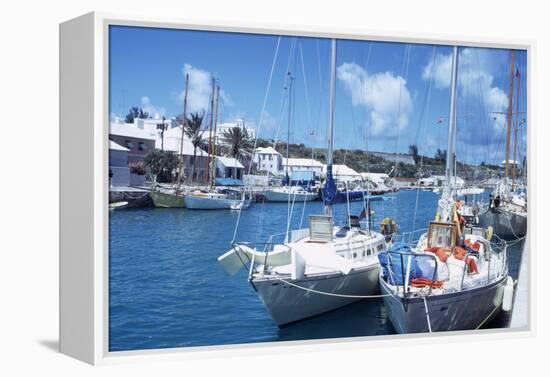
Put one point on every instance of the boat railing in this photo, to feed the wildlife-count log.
(406, 270)
(498, 246)
(409, 238)
(264, 247)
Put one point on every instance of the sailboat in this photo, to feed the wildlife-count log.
(173, 198)
(210, 198)
(316, 269)
(507, 209)
(288, 193)
(455, 276)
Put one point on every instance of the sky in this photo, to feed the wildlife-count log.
(388, 95)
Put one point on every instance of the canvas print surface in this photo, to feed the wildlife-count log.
(267, 188)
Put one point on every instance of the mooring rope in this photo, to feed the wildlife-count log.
(486, 318)
(328, 293)
(427, 313)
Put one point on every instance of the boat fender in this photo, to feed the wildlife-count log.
(489, 233)
(508, 294)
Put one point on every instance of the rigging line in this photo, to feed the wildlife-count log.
(364, 98)
(284, 96)
(425, 107)
(405, 70)
(483, 109)
(259, 125)
(305, 85)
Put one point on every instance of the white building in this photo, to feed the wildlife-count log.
(229, 167)
(269, 160)
(344, 173)
(119, 172)
(438, 180)
(303, 164)
(223, 127)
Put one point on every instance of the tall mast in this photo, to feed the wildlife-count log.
(288, 126)
(452, 119)
(330, 186)
(509, 115)
(180, 165)
(516, 132)
(210, 133)
(214, 143)
(447, 194)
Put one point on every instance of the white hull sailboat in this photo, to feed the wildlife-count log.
(307, 277)
(292, 194)
(507, 210)
(453, 277)
(317, 269)
(214, 200)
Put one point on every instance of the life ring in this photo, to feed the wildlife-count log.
(388, 227)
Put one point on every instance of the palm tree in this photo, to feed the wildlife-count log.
(192, 127)
(413, 151)
(237, 143)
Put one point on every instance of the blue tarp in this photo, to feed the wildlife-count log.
(228, 182)
(396, 261)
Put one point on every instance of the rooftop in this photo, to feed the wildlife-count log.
(129, 130)
(229, 162)
(116, 147)
(266, 150)
(302, 162)
(344, 170)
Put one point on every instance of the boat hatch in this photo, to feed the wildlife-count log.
(442, 235)
(320, 228)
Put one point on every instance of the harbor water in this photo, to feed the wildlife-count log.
(167, 289)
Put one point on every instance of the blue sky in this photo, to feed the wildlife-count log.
(388, 95)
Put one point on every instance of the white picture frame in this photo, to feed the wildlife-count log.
(84, 121)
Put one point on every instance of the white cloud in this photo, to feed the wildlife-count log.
(474, 81)
(384, 95)
(154, 112)
(200, 90)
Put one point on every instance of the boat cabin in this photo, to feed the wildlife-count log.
(442, 235)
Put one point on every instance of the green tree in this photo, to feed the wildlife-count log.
(136, 112)
(192, 127)
(238, 144)
(413, 151)
(441, 156)
(161, 164)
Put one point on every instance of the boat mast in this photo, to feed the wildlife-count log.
(514, 172)
(180, 165)
(214, 144)
(210, 133)
(509, 115)
(330, 129)
(446, 201)
(290, 78)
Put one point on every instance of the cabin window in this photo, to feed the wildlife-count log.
(380, 247)
(141, 146)
(354, 255)
(128, 144)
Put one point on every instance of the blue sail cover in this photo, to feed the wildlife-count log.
(329, 190)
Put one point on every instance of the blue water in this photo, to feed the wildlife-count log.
(166, 288)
